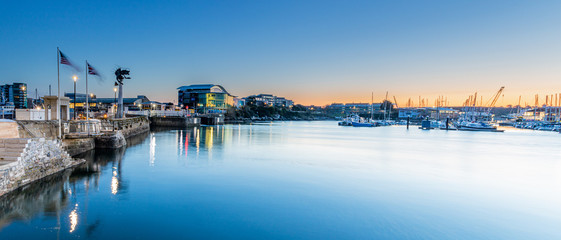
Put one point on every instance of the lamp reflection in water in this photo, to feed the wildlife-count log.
(209, 137)
(197, 139)
(114, 182)
(187, 142)
(152, 149)
(73, 218)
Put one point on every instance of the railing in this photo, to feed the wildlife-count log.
(159, 113)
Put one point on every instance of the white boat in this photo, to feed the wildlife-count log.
(477, 126)
(348, 121)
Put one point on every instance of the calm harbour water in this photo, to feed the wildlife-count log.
(301, 180)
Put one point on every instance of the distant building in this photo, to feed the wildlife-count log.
(413, 113)
(128, 103)
(352, 108)
(14, 94)
(31, 114)
(205, 98)
(97, 104)
(268, 100)
(427, 112)
(80, 103)
(442, 113)
(153, 105)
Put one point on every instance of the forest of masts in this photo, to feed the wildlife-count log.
(551, 100)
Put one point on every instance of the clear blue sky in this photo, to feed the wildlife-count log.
(315, 52)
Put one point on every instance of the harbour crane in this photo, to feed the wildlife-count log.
(494, 99)
(395, 101)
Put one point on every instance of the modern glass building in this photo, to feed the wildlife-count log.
(15, 94)
(204, 98)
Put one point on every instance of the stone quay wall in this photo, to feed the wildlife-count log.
(111, 140)
(39, 158)
(38, 129)
(76, 146)
(8, 129)
(129, 126)
(174, 121)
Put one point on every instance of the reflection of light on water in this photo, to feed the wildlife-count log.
(198, 139)
(114, 183)
(186, 143)
(152, 149)
(73, 219)
(209, 137)
(179, 136)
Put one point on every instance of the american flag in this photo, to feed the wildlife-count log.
(92, 70)
(64, 60)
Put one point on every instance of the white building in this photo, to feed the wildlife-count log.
(31, 114)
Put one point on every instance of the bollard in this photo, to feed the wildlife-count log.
(407, 122)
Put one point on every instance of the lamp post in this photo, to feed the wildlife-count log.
(22, 93)
(75, 79)
(115, 99)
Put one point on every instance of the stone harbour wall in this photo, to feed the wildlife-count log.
(38, 129)
(110, 140)
(8, 129)
(130, 126)
(76, 146)
(40, 158)
(174, 121)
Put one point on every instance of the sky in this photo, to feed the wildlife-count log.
(314, 52)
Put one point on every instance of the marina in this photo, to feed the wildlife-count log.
(280, 120)
(385, 182)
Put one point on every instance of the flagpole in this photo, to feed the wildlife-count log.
(87, 102)
(58, 98)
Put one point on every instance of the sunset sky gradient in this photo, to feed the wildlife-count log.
(314, 52)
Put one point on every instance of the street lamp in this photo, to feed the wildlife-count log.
(115, 99)
(75, 78)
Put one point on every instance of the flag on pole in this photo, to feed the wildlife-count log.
(64, 60)
(92, 70)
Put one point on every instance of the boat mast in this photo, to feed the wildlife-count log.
(385, 106)
(372, 107)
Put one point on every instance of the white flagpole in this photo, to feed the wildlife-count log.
(58, 98)
(87, 102)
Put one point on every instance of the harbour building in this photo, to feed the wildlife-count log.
(14, 94)
(268, 100)
(353, 108)
(204, 98)
(103, 104)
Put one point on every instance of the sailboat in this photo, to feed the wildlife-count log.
(475, 124)
(362, 122)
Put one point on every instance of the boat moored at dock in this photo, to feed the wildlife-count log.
(477, 126)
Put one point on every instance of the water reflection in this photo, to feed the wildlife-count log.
(73, 219)
(152, 149)
(49, 196)
(306, 181)
(56, 196)
(52, 196)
